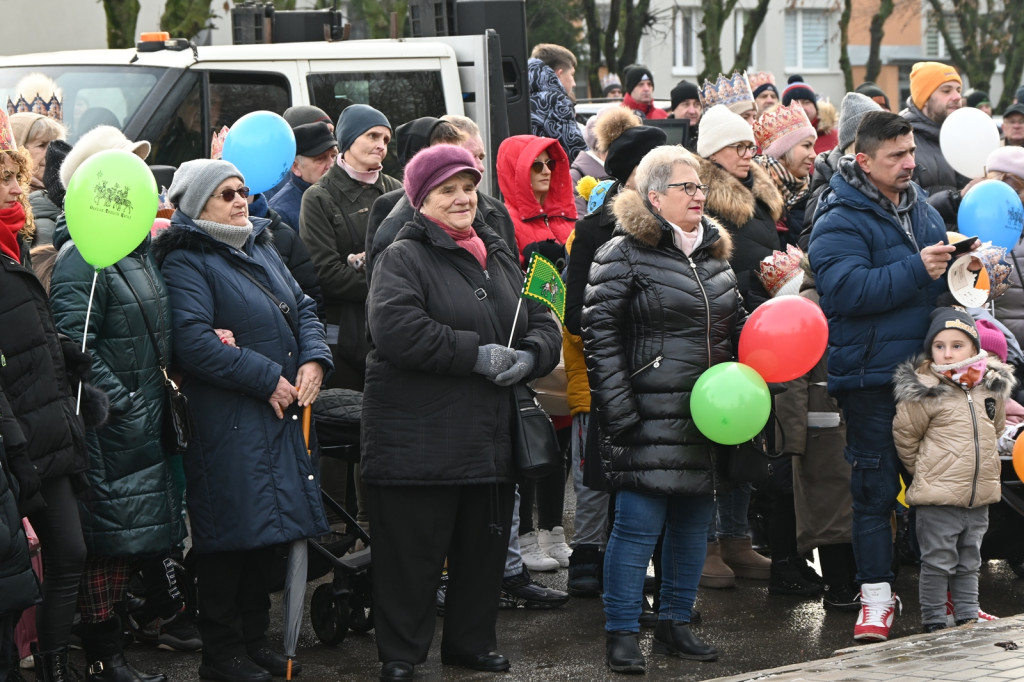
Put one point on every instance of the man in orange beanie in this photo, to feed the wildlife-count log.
(934, 95)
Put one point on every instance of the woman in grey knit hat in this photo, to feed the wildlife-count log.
(250, 482)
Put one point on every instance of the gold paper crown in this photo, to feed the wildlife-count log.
(727, 91)
(780, 268)
(7, 142)
(217, 143)
(760, 78)
(776, 123)
(37, 93)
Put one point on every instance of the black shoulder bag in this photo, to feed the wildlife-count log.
(176, 430)
(535, 450)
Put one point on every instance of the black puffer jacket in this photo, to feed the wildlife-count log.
(933, 173)
(427, 418)
(35, 378)
(19, 588)
(654, 320)
(748, 210)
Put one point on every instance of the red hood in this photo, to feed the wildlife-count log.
(515, 156)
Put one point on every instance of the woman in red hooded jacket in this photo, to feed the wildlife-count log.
(533, 174)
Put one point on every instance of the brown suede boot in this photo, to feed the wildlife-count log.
(715, 573)
(743, 560)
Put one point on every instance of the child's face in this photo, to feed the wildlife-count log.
(951, 346)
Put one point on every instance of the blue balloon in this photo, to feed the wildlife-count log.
(993, 212)
(261, 144)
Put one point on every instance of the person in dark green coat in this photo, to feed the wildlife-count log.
(134, 510)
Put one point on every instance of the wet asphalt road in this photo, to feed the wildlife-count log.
(751, 629)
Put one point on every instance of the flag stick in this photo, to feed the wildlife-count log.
(519, 307)
(85, 333)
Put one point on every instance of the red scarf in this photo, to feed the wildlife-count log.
(11, 221)
(467, 239)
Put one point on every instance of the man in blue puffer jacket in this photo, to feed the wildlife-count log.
(879, 262)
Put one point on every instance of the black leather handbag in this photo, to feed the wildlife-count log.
(535, 451)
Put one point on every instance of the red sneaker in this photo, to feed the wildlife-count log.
(878, 606)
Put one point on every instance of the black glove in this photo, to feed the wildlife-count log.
(77, 362)
(550, 249)
(27, 478)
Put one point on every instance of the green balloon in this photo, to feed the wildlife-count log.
(110, 206)
(730, 403)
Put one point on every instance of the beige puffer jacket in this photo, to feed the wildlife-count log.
(946, 436)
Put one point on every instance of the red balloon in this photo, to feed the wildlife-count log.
(784, 338)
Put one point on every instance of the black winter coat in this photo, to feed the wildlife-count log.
(749, 214)
(826, 164)
(296, 256)
(654, 320)
(19, 588)
(933, 173)
(427, 418)
(134, 508)
(250, 480)
(592, 231)
(35, 377)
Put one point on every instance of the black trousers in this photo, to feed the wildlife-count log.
(234, 600)
(414, 529)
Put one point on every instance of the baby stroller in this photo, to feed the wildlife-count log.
(346, 603)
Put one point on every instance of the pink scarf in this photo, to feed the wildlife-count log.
(467, 239)
(365, 177)
(687, 241)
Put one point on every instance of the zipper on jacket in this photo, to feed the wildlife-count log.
(656, 362)
(707, 307)
(977, 450)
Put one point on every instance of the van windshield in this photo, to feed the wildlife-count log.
(89, 95)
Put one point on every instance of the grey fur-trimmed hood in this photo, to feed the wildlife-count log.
(910, 385)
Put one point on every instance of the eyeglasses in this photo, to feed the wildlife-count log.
(229, 194)
(690, 187)
(538, 166)
(744, 149)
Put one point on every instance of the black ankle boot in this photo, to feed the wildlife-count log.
(786, 578)
(585, 571)
(116, 669)
(675, 638)
(53, 666)
(622, 648)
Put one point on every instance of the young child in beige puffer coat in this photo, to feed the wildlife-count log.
(951, 408)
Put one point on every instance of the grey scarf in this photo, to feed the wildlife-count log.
(232, 235)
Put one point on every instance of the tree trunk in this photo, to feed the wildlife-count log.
(185, 18)
(636, 23)
(610, 56)
(877, 31)
(1013, 61)
(593, 39)
(122, 15)
(984, 38)
(750, 28)
(844, 41)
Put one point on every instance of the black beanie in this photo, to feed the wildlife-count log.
(625, 153)
(683, 91)
(977, 98)
(56, 152)
(870, 89)
(413, 136)
(953, 317)
(634, 74)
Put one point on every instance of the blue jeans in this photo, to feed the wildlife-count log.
(730, 517)
(639, 519)
(874, 481)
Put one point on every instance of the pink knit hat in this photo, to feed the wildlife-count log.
(432, 166)
(991, 338)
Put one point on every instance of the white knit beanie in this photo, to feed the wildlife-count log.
(720, 127)
(98, 140)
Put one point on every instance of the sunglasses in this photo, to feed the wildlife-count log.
(690, 187)
(538, 166)
(229, 194)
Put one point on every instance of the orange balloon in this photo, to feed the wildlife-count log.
(1018, 457)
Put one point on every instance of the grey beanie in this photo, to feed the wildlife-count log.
(195, 181)
(851, 111)
(355, 120)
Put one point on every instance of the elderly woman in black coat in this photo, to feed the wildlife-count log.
(437, 413)
(250, 481)
(660, 308)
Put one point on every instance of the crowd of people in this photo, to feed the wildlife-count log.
(408, 292)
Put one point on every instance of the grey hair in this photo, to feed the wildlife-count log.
(463, 123)
(655, 169)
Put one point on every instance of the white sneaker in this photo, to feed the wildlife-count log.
(878, 606)
(552, 543)
(534, 557)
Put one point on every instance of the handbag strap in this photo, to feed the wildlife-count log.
(149, 329)
(285, 309)
(481, 295)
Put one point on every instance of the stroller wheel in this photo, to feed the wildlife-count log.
(329, 615)
(360, 616)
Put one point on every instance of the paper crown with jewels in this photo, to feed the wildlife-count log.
(781, 128)
(780, 273)
(734, 93)
(7, 141)
(975, 288)
(760, 78)
(37, 93)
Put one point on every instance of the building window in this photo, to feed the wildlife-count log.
(684, 30)
(740, 20)
(934, 43)
(807, 38)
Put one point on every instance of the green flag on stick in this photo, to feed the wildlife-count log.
(544, 284)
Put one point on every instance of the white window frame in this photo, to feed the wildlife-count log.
(739, 17)
(831, 60)
(678, 67)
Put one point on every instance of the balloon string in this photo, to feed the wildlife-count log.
(85, 332)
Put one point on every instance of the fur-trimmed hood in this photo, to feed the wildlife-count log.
(827, 118)
(638, 221)
(730, 200)
(910, 384)
(183, 233)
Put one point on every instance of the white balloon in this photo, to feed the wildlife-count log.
(967, 137)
